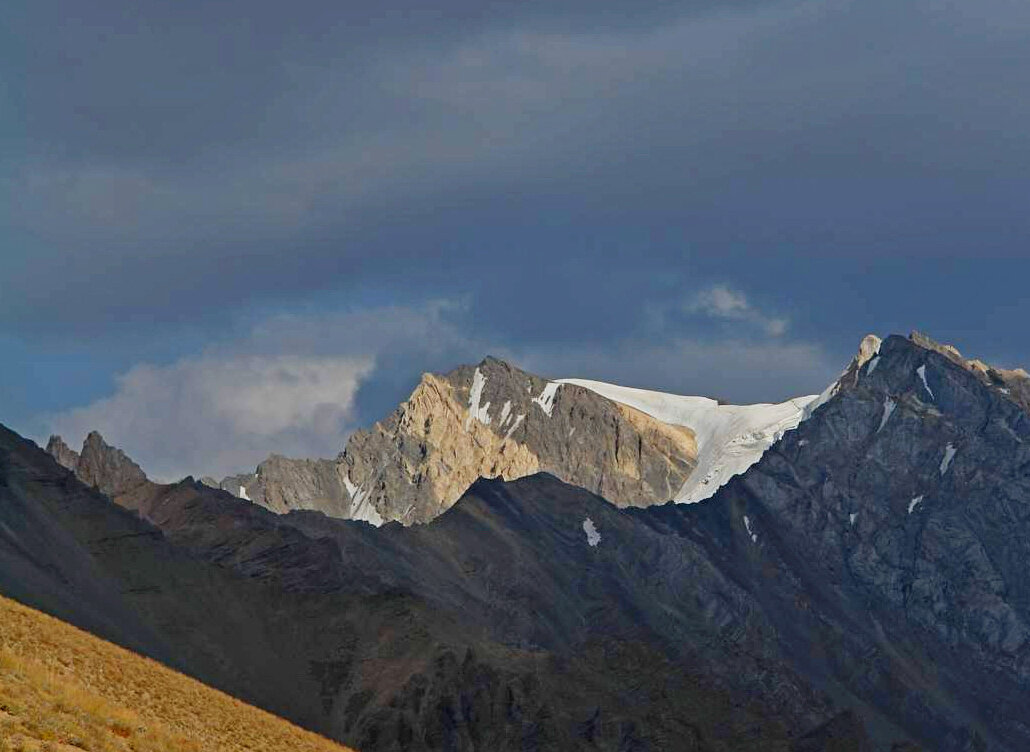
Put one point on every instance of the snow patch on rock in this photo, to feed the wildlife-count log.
(365, 512)
(351, 488)
(922, 375)
(914, 503)
(888, 409)
(516, 424)
(546, 398)
(593, 537)
(751, 533)
(949, 455)
(243, 494)
(477, 412)
(361, 507)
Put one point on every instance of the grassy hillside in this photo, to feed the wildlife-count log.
(63, 689)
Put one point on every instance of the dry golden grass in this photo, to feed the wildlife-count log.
(64, 690)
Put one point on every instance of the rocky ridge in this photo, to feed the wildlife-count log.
(100, 465)
(493, 420)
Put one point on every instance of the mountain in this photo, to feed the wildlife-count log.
(99, 465)
(631, 446)
(862, 585)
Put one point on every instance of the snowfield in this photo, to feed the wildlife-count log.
(730, 438)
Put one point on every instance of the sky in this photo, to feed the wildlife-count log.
(235, 228)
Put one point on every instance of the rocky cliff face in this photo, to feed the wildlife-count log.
(99, 465)
(282, 484)
(491, 420)
(896, 522)
(64, 454)
(634, 447)
(496, 421)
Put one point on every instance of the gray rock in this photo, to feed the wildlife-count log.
(64, 454)
(99, 465)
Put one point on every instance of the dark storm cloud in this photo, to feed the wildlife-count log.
(178, 171)
(226, 150)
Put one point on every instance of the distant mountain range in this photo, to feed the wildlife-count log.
(631, 446)
(853, 574)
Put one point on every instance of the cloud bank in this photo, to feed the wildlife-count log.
(208, 415)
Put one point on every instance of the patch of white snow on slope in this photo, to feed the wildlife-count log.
(505, 414)
(593, 537)
(914, 503)
(243, 494)
(351, 488)
(730, 438)
(361, 507)
(949, 455)
(852, 517)
(750, 532)
(888, 409)
(475, 395)
(922, 374)
(546, 398)
(365, 512)
(515, 425)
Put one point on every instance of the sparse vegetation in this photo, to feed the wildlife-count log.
(64, 690)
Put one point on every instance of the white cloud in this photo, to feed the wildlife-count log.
(206, 415)
(289, 386)
(723, 302)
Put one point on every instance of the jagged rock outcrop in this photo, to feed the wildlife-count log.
(64, 454)
(99, 465)
(897, 520)
(1013, 383)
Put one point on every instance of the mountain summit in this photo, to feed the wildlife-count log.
(633, 447)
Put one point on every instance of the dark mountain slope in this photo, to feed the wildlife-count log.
(887, 538)
(70, 551)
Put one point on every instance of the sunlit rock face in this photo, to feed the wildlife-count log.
(491, 420)
(496, 421)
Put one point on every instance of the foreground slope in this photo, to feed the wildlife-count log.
(62, 686)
